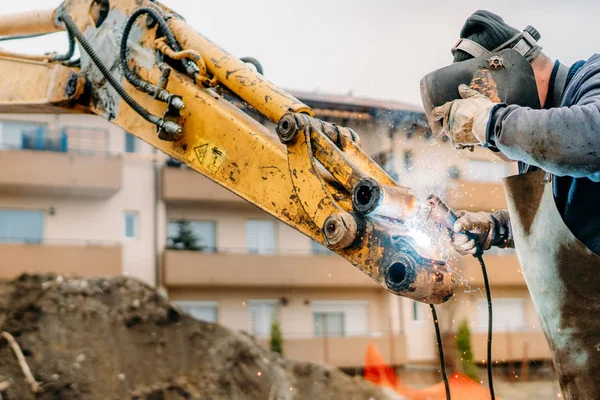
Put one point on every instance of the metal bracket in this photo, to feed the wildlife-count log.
(338, 226)
(171, 115)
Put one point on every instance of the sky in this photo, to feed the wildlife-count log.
(366, 48)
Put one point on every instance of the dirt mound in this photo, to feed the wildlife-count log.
(119, 339)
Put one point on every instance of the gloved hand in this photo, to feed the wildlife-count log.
(481, 225)
(465, 120)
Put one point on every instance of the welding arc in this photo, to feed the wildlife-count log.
(438, 336)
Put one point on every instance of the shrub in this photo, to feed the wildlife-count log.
(465, 353)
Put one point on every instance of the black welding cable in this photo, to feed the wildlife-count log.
(489, 333)
(438, 336)
(106, 72)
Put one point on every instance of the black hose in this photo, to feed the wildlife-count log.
(489, 338)
(438, 336)
(18, 37)
(70, 52)
(56, 57)
(106, 73)
(130, 75)
(255, 62)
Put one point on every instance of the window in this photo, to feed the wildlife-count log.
(262, 315)
(200, 310)
(486, 171)
(340, 317)
(329, 323)
(191, 235)
(21, 226)
(319, 249)
(509, 314)
(416, 311)
(408, 160)
(260, 237)
(131, 224)
(130, 143)
(19, 135)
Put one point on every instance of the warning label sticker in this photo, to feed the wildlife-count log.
(210, 156)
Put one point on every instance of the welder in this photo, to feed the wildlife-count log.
(553, 216)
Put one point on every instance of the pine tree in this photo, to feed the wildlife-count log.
(276, 341)
(465, 353)
(185, 239)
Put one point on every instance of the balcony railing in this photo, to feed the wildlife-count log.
(52, 172)
(343, 351)
(302, 269)
(70, 139)
(61, 256)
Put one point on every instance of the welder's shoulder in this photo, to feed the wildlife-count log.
(583, 81)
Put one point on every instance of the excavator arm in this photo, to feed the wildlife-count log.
(146, 70)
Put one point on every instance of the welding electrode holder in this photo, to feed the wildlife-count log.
(445, 217)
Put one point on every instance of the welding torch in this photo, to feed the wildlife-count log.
(446, 217)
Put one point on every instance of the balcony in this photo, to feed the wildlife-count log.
(65, 258)
(195, 268)
(53, 172)
(343, 352)
(184, 185)
(512, 346)
(502, 270)
(477, 196)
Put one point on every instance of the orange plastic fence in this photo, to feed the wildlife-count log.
(461, 386)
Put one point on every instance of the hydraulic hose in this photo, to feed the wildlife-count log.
(159, 122)
(131, 76)
(69, 54)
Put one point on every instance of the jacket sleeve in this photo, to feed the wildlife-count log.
(564, 141)
(503, 235)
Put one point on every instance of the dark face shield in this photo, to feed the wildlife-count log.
(505, 76)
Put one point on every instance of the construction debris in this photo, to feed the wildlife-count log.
(119, 339)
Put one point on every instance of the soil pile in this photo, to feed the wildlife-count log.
(117, 338)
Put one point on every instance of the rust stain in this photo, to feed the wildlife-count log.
(484, 83)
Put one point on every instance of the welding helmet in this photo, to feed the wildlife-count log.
(504, 75)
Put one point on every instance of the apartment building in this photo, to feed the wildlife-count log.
(80, 196)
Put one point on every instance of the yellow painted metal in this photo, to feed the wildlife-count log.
(334, 161)
(272, 101)
(29, 86)
(162, 46)
(31, 57)
(29, 23)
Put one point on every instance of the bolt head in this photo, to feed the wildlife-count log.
(339, 230)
